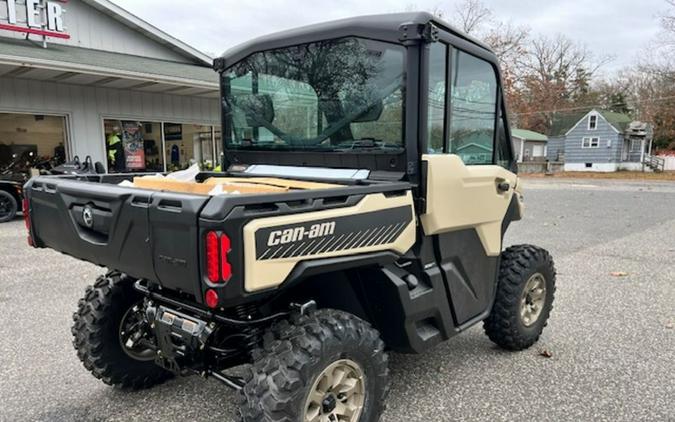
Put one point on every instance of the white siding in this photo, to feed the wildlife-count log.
(516, 148)
(86, 107)
(670, 162)
(89, 28)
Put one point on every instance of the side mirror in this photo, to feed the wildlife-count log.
(258, 108)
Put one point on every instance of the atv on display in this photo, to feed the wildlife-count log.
(381, 151)
(11, 200)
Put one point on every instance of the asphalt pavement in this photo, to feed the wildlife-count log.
(610, 339)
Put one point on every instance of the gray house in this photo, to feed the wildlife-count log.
(529, 145)
(600, 140)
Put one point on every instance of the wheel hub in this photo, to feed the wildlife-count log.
(133, 334)
(338, 394)
(328, 404)
(4, 206)
(533, 299)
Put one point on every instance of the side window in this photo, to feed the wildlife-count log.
(504, 153)
(473, 106)
(438, 63)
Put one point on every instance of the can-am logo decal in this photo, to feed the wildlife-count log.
(346, 232)
(295, 234)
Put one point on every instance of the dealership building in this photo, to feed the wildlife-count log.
(82, 77)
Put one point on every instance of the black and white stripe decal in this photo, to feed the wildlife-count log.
(349, 232)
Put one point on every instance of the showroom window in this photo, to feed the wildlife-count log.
(186, 144)
(139, 146)
(31, 142)
(133, 146)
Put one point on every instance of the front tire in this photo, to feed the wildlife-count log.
(97, 335)
(524, 299)
(8, 207)
(328, 366)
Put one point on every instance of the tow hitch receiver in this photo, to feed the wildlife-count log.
(181, 339)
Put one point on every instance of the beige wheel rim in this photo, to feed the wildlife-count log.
(338, 394)
(533, 299)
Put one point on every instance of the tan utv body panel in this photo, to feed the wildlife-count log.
(461, 197)
(268, 273)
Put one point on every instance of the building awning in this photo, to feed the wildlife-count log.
(528, 135)
(65, 64)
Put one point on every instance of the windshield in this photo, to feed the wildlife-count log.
(335, 95)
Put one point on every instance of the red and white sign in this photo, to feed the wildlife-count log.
(37, 17)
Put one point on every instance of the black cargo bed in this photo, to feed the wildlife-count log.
(131, 229)
(156, 235)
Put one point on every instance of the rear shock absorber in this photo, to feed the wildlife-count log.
(247, 312)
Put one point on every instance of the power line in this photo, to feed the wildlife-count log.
(654, 100)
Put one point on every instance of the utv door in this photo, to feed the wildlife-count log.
(469, 187)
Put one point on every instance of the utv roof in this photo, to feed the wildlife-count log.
(390, 27)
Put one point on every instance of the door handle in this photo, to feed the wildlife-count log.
(503, 187)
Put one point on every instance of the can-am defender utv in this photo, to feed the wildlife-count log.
(388, 142)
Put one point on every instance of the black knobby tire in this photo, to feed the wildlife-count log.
(504, 326)
(295, 353)
(8, 207)
(96, 335)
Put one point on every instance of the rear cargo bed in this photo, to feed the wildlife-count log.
(156, 235)
(127, 229)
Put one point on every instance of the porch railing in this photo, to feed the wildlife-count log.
(655, 163)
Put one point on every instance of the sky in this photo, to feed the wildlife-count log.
(616, 28)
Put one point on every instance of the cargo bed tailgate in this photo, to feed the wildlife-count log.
(146, 234)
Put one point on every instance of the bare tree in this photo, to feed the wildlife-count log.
(555, 74)
(471, 16)
(668, 18)
(662, 55)
(506, 39)
(562, 62)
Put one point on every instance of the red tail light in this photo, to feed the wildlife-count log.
(211, 298)
(26, 219)
(212, 264)
(225, 267)
(26, 214)
(218, 268)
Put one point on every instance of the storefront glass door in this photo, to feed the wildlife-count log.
(186, 144)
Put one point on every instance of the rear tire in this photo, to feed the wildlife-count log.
(524, 299)
(8, 207)
(96, 332)
(306, 367)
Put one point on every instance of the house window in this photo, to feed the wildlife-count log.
(635, 145)
(590, 143)
(592, 122)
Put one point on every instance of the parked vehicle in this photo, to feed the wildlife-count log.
(11, 199)
(389, 239)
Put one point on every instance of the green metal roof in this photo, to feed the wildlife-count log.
(97, 61)
(618, 120)
(529, 135)
(564, 121)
